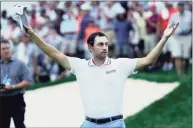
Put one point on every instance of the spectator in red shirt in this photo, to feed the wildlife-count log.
(163, 20)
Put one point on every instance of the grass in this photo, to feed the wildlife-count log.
(172, 111)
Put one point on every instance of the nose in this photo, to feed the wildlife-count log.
(105, 47)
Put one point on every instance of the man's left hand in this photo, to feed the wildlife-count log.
(9, 87)
(170, 30)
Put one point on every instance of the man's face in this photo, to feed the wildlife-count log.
(100, 47)
(181, 9)
(5, 51)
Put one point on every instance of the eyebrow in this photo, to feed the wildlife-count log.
(103, 42)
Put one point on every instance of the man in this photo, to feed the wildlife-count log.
(182, 39)
(15, 77)
(101, 79)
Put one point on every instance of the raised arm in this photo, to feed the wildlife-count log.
(155, 53)
(48, 49)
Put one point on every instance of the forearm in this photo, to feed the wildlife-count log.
(45, 47)
(156, 51)
(22, 84)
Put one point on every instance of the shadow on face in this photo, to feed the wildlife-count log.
(5, 50)
(181, 7)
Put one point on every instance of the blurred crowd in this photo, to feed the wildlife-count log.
(133, 29)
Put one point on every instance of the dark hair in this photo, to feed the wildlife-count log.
(4, 41)
(181, 4)
(4, 14)
(91, 38)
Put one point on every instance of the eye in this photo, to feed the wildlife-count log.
(100, 44)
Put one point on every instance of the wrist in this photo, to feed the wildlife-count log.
(165, 37)
(30, 32)
(14, 86)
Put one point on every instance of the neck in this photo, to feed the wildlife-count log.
(182, 12)
(6, 60)
(98, 62)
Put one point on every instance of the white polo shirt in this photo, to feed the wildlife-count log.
(101, 87)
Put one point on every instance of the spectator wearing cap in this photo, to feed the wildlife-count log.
(181, 44)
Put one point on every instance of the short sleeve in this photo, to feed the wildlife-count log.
(76, 64)
(129, 65)
(26, 75)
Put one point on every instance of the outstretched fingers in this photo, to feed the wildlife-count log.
(175, 26)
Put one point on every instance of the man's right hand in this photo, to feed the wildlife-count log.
(2, 90)
(28, 30)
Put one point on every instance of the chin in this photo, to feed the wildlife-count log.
(103, 57)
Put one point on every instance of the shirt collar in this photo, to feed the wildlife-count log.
(12, 59)
(91, 63)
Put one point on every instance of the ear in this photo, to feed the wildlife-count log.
(90, 47)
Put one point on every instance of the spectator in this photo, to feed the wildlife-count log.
(162, 24)
(107, 17)
(41, 26)
(122, 29)
(4, 21)
(70, 33)
(55, 40)
(86, 7)
(50, 10)
(137, 13)
(25, 52)
(13, 31)
(92, 27)
(181, 44)
(151, 28)
(58, 20)
(15, 77)
(41, 66)
(33, 18)
(95, 11)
